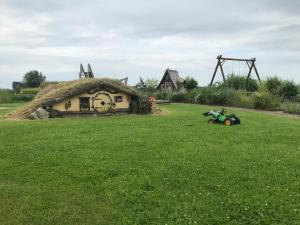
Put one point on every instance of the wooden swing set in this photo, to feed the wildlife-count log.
(249, 62)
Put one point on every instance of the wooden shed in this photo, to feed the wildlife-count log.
(169, 81)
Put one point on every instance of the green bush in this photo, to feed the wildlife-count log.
(6, 96)
(297, 98)
(288, 90)
(291, 107)
(22, 97)
(161, 95)
(192, 95)
(265, 100)
(178, 97)
(242, 99)
(273, 85)
(216, 96)
(240, 83)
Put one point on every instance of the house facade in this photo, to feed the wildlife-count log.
(92, 96)
(94, 102)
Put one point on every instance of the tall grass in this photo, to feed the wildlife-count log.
(8, 96)
(291, 107)
(225, 97)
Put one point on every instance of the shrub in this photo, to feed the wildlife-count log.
(240, 83)
(6, 96)
(297, 98)
(265, 100)
(288, 90)
(217, 96)
(243, 99)
(273, 85)
(22, 97)
(161, 95)
(291, 107)
(179, 97)
(191, 96)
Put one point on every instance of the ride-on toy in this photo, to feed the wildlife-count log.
(220, 117)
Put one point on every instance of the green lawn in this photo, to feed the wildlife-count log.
(170, 169)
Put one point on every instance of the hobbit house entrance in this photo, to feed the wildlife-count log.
(102, 102)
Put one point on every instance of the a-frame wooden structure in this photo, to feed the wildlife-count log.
(88, 74)
(221, 60)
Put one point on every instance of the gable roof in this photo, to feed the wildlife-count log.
(174, 76)
(56, 92)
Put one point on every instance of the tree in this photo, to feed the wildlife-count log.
(141, 85)
(151, 84)
(17, 86)
(148, 85)
(288, 89)
(190, 83)
(33, 79)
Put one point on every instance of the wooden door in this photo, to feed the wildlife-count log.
(102, 102)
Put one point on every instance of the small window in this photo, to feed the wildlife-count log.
(119, 98)
(68, 105)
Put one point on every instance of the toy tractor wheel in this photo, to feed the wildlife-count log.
(227, 122)
(211, 121)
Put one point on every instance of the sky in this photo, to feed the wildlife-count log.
(135, 38)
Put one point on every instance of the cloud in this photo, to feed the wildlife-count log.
(141, 38)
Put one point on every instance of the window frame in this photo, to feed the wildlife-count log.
(118, 98)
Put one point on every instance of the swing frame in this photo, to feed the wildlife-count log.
(221, 60)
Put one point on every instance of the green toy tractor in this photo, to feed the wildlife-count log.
(220, 117)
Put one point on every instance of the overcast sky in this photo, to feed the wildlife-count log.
(142, 38)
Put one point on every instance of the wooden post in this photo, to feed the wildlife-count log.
(222, 71)
(220, 63)
(255, 69)
(216, 69)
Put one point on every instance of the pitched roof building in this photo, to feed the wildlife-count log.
(169, 81)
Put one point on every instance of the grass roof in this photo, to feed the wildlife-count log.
(56, 92)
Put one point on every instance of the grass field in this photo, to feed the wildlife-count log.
(170, 169)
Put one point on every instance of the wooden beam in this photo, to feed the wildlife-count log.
(255, 69)
(248, 64)
(249, 74)
(215, 72)
(222, 71)
(236, 59)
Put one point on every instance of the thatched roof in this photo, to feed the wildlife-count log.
(56, 92)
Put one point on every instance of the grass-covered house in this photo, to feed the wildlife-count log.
(89, 96)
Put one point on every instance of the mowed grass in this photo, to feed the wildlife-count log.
(170, 169)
